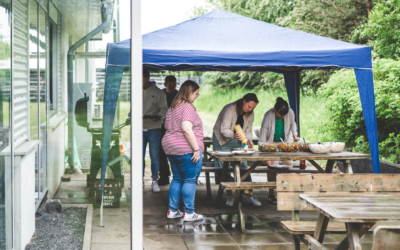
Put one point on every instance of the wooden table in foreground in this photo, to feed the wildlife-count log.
(358, 212)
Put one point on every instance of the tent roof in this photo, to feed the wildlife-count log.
(223, 41)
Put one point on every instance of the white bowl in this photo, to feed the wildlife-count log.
(336, 147)
(320, 148)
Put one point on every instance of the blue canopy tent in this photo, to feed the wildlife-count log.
(223, 41)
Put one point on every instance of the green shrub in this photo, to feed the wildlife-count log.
(345, 118)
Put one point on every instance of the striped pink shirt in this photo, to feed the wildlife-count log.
(174, 141)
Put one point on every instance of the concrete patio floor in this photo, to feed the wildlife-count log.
(218, 230)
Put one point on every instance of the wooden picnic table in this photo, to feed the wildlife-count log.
(259, 157)
(358, 212)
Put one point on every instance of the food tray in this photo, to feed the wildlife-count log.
(267, 147)
(290, 147)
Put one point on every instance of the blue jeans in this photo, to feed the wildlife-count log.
(152, 136)
(185, 175)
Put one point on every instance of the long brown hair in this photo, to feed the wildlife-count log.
(247, 98)
(187, 88)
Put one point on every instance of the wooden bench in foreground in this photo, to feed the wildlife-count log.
(290, 186)
(208, 167)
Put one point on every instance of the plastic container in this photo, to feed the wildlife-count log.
(289, 147)
(239, 130)
(267, 147)
(336, 147)
(320, 148)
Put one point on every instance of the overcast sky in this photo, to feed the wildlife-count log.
(158, 14)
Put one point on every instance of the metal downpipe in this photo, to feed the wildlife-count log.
(70, 67)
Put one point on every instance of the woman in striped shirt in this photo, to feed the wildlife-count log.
(183, 144)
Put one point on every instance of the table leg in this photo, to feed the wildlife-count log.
(241, 221)
(344, 244)
(208, 185)
(347, 167)
(251, 169)
(236, 172)
(353, 236)
(223, 178)
(320, 230)
(329, 166)
(317, 166)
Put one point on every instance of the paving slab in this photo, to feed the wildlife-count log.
(194, 228)
(257, 239)
(167, 242)
(208, 239)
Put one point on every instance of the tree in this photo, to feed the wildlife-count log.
(262, 10)
(336, 19)
(383, 29)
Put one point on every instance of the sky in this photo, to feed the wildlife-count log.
(158, 14)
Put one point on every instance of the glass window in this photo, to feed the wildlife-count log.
(5, 114)
(42, 98)
(34, 86)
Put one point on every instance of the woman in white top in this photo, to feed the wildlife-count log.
(278, 123)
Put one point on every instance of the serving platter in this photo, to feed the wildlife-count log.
(247, 152)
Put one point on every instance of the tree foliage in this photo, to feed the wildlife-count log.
(345, 119)
(335, 18)
(383, 29)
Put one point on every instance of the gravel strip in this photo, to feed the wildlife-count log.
(59, 231)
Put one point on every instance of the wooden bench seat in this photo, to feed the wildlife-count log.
(247, 185)
(208, 167)
(308, 227)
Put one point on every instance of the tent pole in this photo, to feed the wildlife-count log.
(297, 101)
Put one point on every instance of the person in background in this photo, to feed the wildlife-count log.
(170, 91)
(183, 144)
(225, 138)
(278, 123)
(154, 110)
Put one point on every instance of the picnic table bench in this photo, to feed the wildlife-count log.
(350, 204)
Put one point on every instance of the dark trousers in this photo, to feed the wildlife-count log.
(164, 166)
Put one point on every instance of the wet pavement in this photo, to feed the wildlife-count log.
(218, 230)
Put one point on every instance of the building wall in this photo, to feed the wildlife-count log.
(24, 194)
(55, 154)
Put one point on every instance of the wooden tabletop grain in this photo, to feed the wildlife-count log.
(267, 156)
(355, 208)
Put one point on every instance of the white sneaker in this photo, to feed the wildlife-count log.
(253, 200)
(230, 201)
(192, 217)
(173, 215)
(155, 187)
